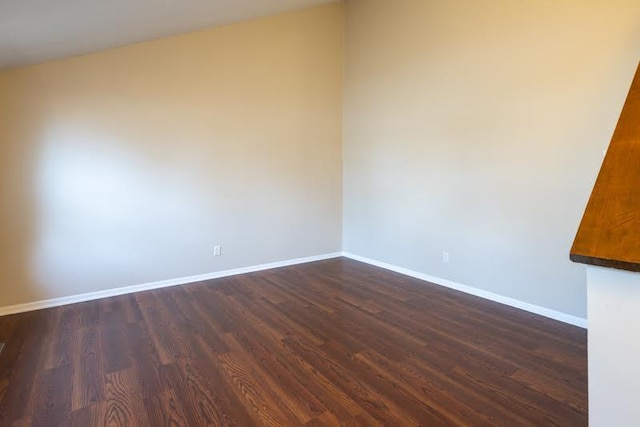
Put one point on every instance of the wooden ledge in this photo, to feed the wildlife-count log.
(609, 234)
(609, 263)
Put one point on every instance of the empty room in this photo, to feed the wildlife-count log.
(319, 213)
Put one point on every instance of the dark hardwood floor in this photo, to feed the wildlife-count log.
(329, 343)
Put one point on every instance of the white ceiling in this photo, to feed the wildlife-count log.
(34, 31)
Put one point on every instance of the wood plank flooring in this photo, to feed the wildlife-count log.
(329, 343)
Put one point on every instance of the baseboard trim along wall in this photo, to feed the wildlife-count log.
(532, 308)
(57, 302)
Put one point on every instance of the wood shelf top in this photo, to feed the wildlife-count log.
(609, 234)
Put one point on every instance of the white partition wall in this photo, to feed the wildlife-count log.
(614, 347)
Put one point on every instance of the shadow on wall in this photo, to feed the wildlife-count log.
(19, 147)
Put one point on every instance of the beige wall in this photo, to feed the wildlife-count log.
(128, 166)
(477, 127)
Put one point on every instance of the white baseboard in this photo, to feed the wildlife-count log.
(56, 302)
(543, 311)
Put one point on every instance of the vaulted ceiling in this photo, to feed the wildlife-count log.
(34, 31)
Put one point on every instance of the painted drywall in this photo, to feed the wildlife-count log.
(477, 127)
(614, 378)
(128, 166)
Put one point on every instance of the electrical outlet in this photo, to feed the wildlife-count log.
(445, 257)
(217, 250)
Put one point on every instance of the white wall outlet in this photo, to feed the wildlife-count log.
(217, 250)
(445, 257)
